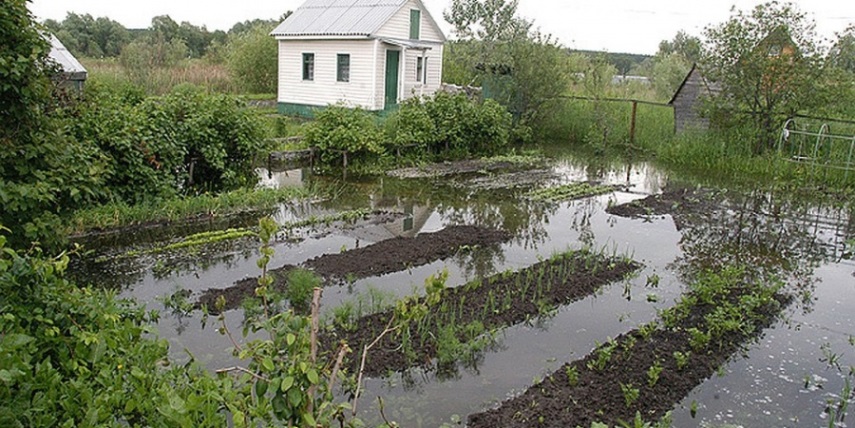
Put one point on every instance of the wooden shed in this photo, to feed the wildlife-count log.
(688, 100)
(363, 53)
(72, 74)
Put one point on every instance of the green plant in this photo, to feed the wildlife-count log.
(340, 131)
(682, 359)
(603, 356)
(653, 373)
(698, 339)
(572, 375)
(301, 284)
(252, 60)
(630, 394)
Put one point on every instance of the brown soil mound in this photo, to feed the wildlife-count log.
(398, 254)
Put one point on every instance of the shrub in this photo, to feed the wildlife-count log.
(301, 285)
(466, 127)
(338, 129)
(252, 60)
(412, 125)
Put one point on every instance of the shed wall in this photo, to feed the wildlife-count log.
(398, 27)
(324, 89)
(687, 103)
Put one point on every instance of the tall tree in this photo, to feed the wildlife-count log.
(519, 66)
(768, 64)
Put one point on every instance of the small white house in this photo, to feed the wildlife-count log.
(367, 53)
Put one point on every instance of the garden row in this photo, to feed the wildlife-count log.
(642, 374)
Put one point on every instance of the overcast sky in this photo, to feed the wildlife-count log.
(613, 25)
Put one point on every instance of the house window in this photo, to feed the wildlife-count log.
(308, 66)
(415, 23)
(421, 69)
(343, 68)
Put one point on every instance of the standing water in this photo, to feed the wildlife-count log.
(793, 375)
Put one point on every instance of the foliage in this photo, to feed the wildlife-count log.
(768, 65)
(252, 58)
(412, 125)
(301, 284)
(74, 356)
(339, 129)
(469, 127)
(86, 36)
(154, 145)
(842, 54)
(522, 68)
(42, 173)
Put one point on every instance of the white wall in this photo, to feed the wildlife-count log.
(398, 27)
(324, 89)
(411, 86)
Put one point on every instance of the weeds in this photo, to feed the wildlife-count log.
(630, 394)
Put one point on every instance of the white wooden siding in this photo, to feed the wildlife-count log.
(412, 87)
(324, 89)
(398, 27)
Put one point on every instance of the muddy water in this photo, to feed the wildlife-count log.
(801, 242)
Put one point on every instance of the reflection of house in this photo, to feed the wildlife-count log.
(415, 218)
(366, 53)
(72, 73)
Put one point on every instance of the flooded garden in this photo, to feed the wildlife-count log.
(537, 292)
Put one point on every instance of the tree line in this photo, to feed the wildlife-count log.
(90, 37)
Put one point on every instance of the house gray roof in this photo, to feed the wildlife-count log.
(67, 62)
(339, 18)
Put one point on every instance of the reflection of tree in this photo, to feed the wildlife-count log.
(771, 234)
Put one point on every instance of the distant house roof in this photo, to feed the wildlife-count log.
(344, 18)
(67, 62)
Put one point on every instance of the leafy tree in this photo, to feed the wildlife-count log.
(769, 67)
(686, 46)
(86, 36)
(42, 173)
(252, 59)
(519, 66)
(842, 54)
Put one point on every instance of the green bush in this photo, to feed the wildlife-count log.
(152, 144)
(73, 356)
(411, 125)
(252, 60)
(467, 127)
(338, 129)
(301, 286)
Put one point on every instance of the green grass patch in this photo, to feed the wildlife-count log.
(117, 215)
(568, 192)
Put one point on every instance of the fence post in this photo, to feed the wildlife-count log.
(632, 124)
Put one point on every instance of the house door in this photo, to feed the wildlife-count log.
(393, 59)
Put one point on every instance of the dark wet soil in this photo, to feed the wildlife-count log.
(500, 301)
(677, 202)
(242, 289)
(385, 257)
(400, 253)
(597, 395)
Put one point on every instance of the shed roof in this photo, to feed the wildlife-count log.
(346, 18)
(67, 62)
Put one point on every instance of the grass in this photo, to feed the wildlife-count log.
(159, 81)
(118, 215)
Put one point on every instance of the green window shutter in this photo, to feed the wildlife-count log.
(415, 24)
